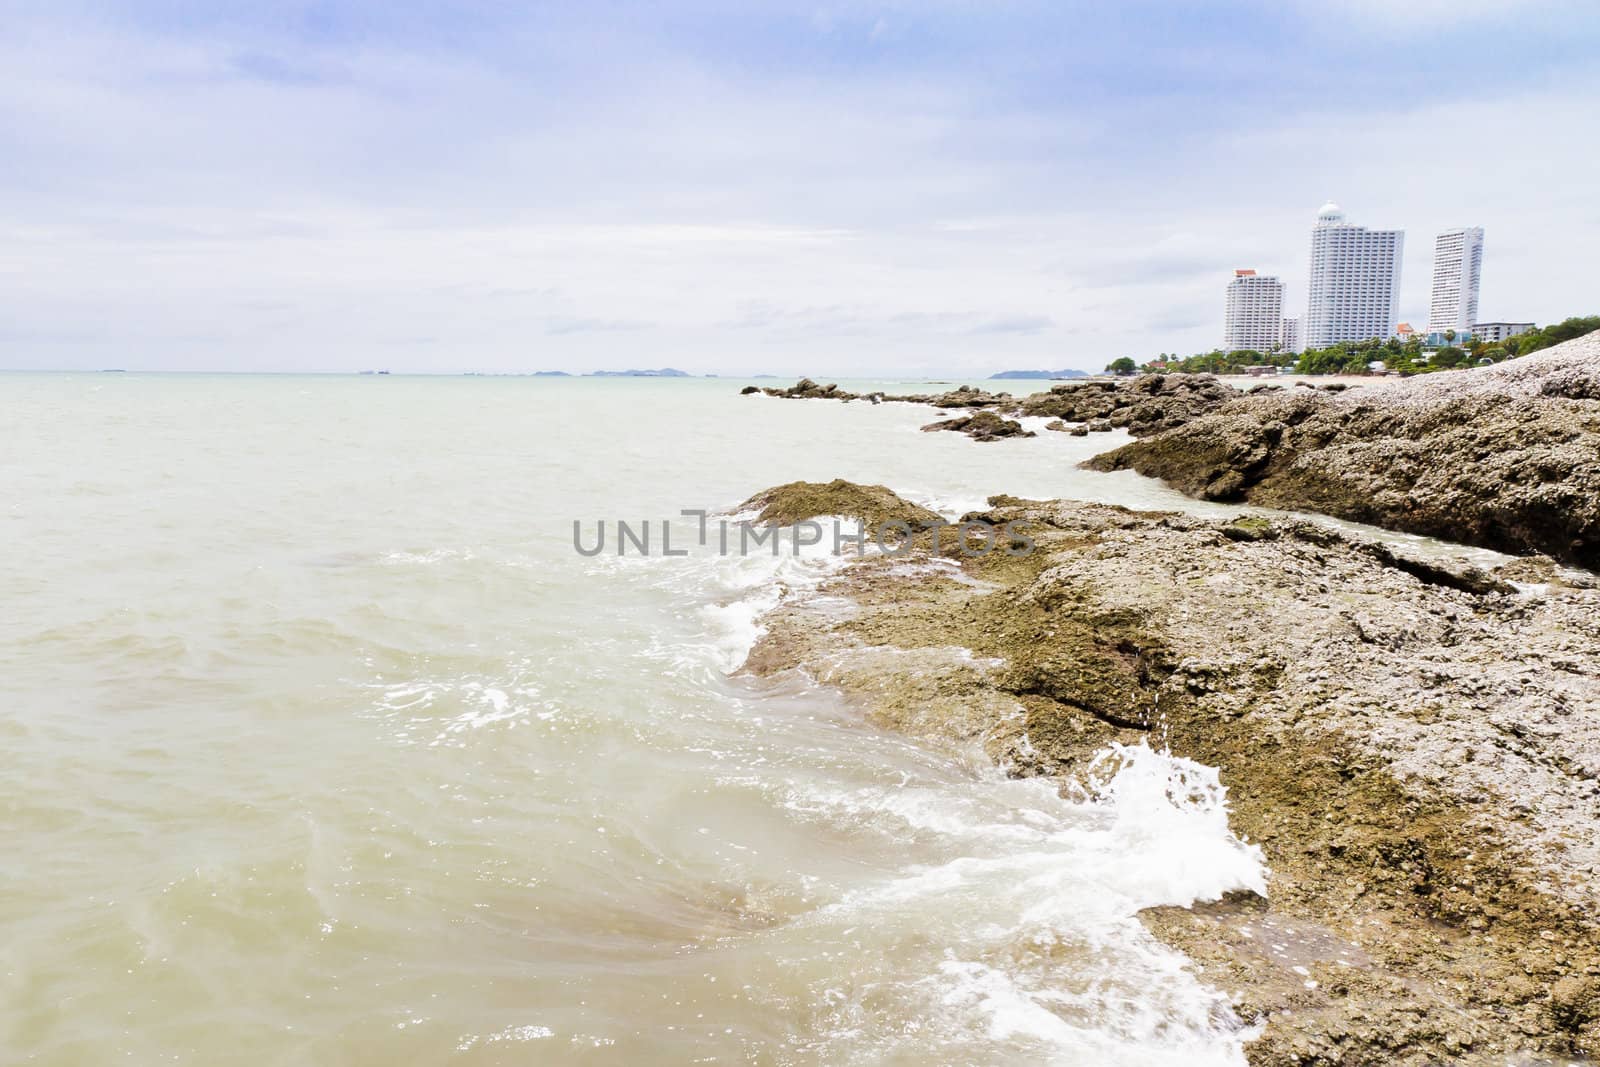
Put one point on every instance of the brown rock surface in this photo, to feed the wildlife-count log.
(1506, 457)
(806, 389)
(982, 426)
(1414, 744)
(785, 505)
(1145, 405)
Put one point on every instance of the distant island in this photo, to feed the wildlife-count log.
(664, 372)
(1040, 374)
(551, 374)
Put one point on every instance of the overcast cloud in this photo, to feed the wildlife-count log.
(938, 187)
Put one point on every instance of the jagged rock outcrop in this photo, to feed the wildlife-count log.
(964, 396)
(1505, 457)
(982, 426)
(1144, 405)
(806, 389)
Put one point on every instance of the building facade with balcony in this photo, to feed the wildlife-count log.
(1354, 281)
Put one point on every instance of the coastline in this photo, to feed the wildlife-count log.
(1504, 457)
(1419, 790)
(1413, 743)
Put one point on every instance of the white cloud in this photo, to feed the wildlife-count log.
(1513, 165)
(1437, 14)
(377, 206)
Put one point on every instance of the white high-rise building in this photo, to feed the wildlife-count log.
(1253, 318)
(1355, 281)
(1457, 267)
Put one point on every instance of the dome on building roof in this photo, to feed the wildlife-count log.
(1330, 212)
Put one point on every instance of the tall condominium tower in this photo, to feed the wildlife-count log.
(1355, 280)
(1254, 315)
(1457, 266)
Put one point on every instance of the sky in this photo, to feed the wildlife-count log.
(942, 187)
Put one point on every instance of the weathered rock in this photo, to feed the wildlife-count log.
(806, 389)
(982, 426)
(1505, 457)
(1147, 404)
(967, 397)
(1412, 743)
(1543, 570)
(964, 396)
(785, 505)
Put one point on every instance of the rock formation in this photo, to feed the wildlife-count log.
(1144, 405)
(1413, 743)
(1505, 457)
(982, 426)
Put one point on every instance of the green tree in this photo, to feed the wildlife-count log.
(1403, 357)
(1555, 334)
(1342, 358)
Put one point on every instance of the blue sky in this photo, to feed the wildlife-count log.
(941, 187)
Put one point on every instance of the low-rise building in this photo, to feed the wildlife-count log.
(1442, 339)
(1495, 332)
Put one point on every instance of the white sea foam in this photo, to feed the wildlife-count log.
(442, 711)
(511, 1034)
(1026, 888)
(736, 590)
(1036, 897)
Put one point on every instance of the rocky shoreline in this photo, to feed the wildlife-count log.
(1504, 457)
(1146, 405)
(1414, 744)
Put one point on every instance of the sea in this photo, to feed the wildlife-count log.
(324, 745)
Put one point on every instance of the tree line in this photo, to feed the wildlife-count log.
(1404, 357)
